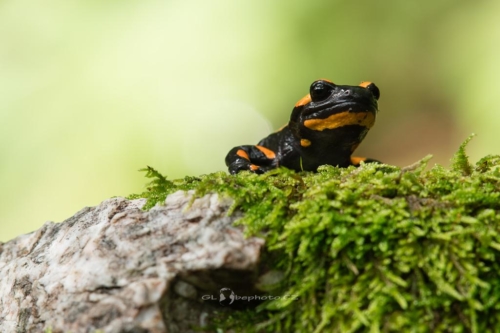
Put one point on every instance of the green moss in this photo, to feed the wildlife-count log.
(371, 249)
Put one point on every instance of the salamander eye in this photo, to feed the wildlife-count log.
(372, 87)
(319, 91)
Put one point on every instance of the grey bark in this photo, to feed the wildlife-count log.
(116, 268)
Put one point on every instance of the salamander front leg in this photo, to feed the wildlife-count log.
(257, 159)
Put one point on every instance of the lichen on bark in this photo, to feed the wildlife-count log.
(117, 268)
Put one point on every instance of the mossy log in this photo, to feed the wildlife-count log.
(371, 249)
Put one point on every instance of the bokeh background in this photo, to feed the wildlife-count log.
(91, 91)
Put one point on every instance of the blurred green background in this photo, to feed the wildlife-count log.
(92, 91)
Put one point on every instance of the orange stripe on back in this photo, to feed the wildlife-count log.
(268, 152)
(243, 154)
(303, 101)
(365, 84)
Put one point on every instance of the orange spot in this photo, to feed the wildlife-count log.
(305, 142)
(357, 160)
(303, 101)
(268, 152)
(254, 167)
(242, 153)
(366, 119)
(365, 84)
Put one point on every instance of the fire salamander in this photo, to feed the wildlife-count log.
(325, 127)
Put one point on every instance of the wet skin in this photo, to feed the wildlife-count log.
(325, 127)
